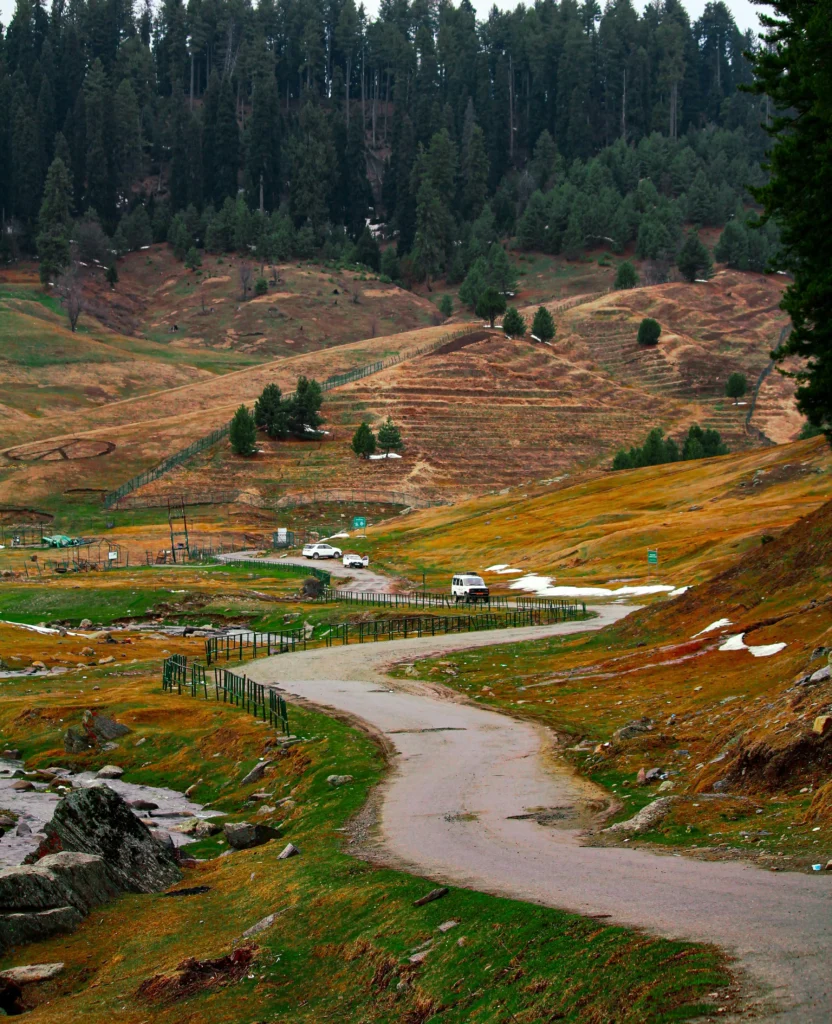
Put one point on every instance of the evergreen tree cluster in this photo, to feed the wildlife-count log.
(658, 449)
(365, 441)
(296, 415)
(168, 120)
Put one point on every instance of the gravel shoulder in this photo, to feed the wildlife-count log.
(461, 775)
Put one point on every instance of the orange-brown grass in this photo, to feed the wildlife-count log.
(724, 722)
(343, 931)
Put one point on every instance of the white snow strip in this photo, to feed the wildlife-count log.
(389, 455)
(337, 536)
(734, 643)
(34, 629)
(679, 591)
(766, 650)
(542, 585)
(502, 568)
(719, 624)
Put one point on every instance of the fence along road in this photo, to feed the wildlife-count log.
(463, 774)
(337, 381)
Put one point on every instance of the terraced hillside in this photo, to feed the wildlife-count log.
(709, 330)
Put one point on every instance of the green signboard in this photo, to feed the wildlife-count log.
(652, 556)
(359, 522)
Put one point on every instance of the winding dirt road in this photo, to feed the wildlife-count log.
(462, 774)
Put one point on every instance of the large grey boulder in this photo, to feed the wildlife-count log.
(31, 926)
(243, 835)
(99, 822)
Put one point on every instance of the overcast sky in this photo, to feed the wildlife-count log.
(745, 12)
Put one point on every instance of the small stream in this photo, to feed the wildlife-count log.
(34, 809)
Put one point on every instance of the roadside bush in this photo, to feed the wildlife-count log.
(649, 331)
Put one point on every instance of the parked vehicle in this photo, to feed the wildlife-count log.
(321, 550)
(354, 561)
(469, 588)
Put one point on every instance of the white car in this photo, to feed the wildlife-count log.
(321, 550)
(353, 561)
(468, 587)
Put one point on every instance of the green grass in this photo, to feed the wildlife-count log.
(340, 945)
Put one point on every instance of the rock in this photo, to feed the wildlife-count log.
(261, 794)
(641, 778)
(23, 786)
(6, 821)
(142, 805)
(31, 926)
(637, 727)
(107, 660)
(290, 850)
(76, 741)
(189, 792)
(829, 865)
(260, 926)
(434, 894)
(23, 829)
(31, 974)
(265, 809)
(666, 786)
(417, 958)
(447, 925)
(646, 818)
(163, 837)
(87, 652)
(821, 675)
(97, 821)
(205, 829)
(256, 772)
(653, 774)
(243, 835)
(339, 780)
(822, 725)
(39, 665)
(11, 755)
(110, 771)
(85, 624)
(104, 727)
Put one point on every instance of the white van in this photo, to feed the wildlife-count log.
(468, 587)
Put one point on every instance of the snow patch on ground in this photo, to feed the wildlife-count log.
(37, 629)
(337, 536)
(389, 455)
(719, 624)
(542, 585)
(737, 643)
(502, 568)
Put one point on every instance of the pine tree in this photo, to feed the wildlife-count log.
(490, 305)
(475, 283)
(55, 222)
(100, 193)
(500, 274)
(475, 175)
(389, 437)
(271, 412)
(364, 441)
(543, 325)
(226, 142)
(736, 386)
(514, 325)
(313, 168)
(111, 274)
(694, 260)
(243, 432)
(626, 276)
(432, 232)
(304, 408)
(263, 139)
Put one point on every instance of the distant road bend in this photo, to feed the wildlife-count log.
(449, 807)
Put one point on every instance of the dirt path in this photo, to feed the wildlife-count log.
(461, 775)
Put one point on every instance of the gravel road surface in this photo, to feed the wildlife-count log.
(460, 776)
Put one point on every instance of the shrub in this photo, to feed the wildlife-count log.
(736, 386)
(243, 432)
(543, 325)
(271, 412)
(446, 305)
(261, 286)
(626, 276)
(809, 430)
(390, 264)
(389, 436)
(514, 325)
(111, 274)
(649, 331)
(658, 449)
(364, 441)
(694, 260)
(193, 259)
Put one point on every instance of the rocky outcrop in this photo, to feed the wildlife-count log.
(243, 835)
(53, 895)
(95, 729)
(98, 821)
(648, 817)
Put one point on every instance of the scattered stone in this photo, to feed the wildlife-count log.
(243, 835)
(197, 827)
(637, 727)
(31, 974)
(87, 652)
(822, 725)
(107, 660)
(97, 821)
(434, 894)
(256, 772)
(142, 805)
(75, 741)
(85, 624)
(23, 786)
(829, 865)
(6, 821)
(653, 774)
(647, 817)
(260, 926)
(261, 794)
(447, 925)
(821, 675)
(290, 850)
(666, 786)
(23, 829)
(417, 958)
(104, 727)
(641, 778)
(339, 780)
(39, 665)
(189, 792)
(110, 771)
(265, 809)
(11, 755)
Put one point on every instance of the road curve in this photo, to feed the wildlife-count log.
(461, 774)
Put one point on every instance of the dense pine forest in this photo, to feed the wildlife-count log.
(282, 128)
